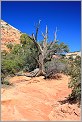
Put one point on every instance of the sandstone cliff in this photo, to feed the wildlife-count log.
(9, 34)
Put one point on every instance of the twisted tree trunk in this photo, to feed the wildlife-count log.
(43, 51)
(41, 65)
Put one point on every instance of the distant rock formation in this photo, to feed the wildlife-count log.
(9, 34)
(73, 54)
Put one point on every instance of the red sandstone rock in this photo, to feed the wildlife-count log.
(9, 34)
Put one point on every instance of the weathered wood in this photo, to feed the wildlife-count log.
(31, 74)
(43, 51)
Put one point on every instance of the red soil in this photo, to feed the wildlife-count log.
(37, 99)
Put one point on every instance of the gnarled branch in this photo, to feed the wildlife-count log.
(55, 38)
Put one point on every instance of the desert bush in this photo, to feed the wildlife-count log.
(75, 83)
(53, 67)
(25, 40)
(12, 62)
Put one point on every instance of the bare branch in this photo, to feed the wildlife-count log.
(55, 35)
(46, 30)
(39, 21)
(37, 28)
(45, 41)
(43, 35)
(54, 50)
(55, 38)
(33, 36)
(36, 44)
(50, 44)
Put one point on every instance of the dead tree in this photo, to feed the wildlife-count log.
(43, 51)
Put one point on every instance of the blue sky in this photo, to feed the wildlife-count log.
(65, 15)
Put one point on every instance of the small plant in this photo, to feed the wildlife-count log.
(7, 24)
(2, 26)
(6, 82)
(10, 45)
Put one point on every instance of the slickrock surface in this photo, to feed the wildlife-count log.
(9, 34)
(37, 99)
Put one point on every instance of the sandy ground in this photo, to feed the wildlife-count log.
(37, 99)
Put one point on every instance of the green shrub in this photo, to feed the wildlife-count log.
(75, 83)
(6, 82)
(10, 45)
(20, 57)
(12, 63)
(25, 40)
